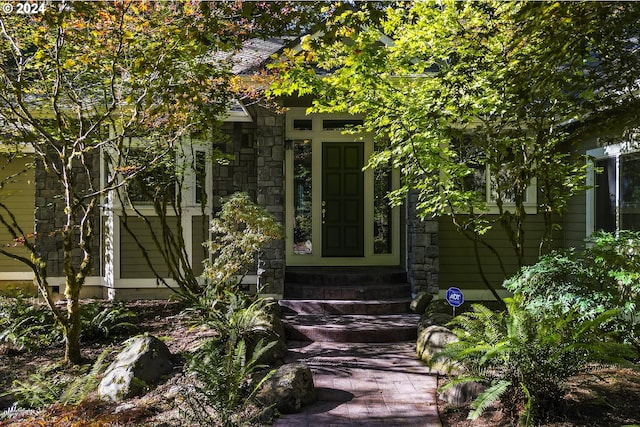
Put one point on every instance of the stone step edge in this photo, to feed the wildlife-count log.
(347, 301)
(348, 285)
(353, 320)
(351, 333)
(326, 277)
(346, 306)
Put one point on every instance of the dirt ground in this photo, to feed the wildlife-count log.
(159, 407)
(608, 398)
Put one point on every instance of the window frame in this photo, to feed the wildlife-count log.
(615, 152)
(190, 185)
(491, 205)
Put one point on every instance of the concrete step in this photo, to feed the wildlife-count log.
(357, 291)
(368, 307)
(352, 328)
(345, 276)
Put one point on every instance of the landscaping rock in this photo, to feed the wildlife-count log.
(289, 388)
(420, 302)
(432, 340)
(439, 306)
(431, 319)
(461, 394)
(276, 333)
(142, 363)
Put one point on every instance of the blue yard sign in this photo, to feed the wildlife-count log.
(455, 298)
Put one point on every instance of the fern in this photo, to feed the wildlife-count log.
(45, 386)
(525, 357)
(78, 389)
(527, 417)
(102, 321)
(487, 398)
(224, 388)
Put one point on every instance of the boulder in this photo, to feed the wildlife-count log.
(462, 393)
(142, 363)
(439, 306)
(420, 302)
(433, 319)
(288, 389)
(432, 340)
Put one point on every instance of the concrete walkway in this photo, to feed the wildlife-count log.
(365, 385)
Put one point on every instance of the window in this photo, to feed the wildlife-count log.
(486, 183)
(613, 202)
(200, 171)
(149, 181)
(302, 187)
(150, 178)
(340, 124)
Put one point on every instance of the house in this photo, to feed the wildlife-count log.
(308, 172)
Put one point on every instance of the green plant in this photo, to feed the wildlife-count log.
(605, 276)
(49, 385)
(101, 321)
(38, 390)
(25, 324)
(78, 388)
(236, 317)
(224, 385)
(240, 231)
(525, 359)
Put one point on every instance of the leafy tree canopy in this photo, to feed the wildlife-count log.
(78, 79)
(451, 88)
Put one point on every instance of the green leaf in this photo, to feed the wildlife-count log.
(487, 398)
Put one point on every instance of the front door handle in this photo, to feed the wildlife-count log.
(324, 211)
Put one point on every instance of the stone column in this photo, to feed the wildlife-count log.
(270, 195)
(423, 250)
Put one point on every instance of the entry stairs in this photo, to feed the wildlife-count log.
(358, 305)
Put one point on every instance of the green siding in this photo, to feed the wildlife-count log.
(574, 221)
(132, 261)
(18, 194)
(458, 265)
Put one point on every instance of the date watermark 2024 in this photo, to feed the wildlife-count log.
(24, 8)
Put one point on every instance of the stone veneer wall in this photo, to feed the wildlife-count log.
(270, 194)
(240, 174)
(50, 217)
(257, 169)
(423, 251)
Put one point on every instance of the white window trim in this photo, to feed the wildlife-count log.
(600, 153)
(530, 206)
(112, 211)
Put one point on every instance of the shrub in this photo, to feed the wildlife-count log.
(240, 231)
(223, 391)
(525, 359)
(604, 276)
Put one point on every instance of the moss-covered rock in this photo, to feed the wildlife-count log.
(142, 363)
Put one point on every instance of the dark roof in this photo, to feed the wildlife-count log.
(255, 53)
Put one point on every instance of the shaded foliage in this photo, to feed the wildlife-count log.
(605, 276)
(526, 359)
(476, 101)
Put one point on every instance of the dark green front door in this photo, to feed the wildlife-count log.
(342, 199)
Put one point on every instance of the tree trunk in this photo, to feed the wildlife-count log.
(72, 339)
(73, 325)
